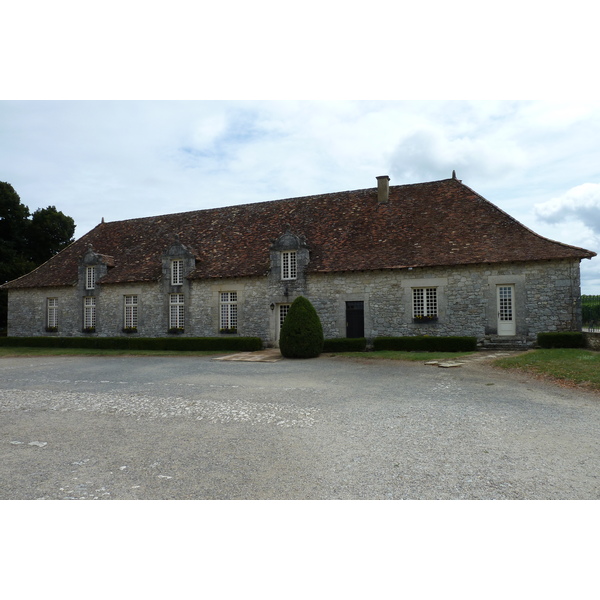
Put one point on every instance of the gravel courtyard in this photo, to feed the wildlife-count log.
(327, 428)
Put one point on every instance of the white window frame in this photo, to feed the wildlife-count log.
(176, 311)
(52, 312)
(130, 311)
(90, 278)
(425, 302)
(89, 311)
(228, 314)
(289, 264)
(177, 271)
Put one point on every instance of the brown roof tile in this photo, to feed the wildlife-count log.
(426, 224)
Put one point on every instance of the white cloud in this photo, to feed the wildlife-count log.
(433, 154)
(581, 203)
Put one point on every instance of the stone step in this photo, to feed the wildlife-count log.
(506, 347)
(506, 344)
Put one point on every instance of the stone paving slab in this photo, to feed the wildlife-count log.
(448, 364)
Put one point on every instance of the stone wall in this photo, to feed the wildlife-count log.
(592, 340)
(546, 299)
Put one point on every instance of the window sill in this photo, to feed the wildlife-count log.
(425, 320)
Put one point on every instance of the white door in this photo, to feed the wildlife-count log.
(506, 310)
(283, 311)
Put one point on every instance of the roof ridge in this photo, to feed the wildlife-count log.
(271, 202)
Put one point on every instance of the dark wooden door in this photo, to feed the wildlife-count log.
(355, 319)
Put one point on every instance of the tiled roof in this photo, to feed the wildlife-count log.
(426, 224)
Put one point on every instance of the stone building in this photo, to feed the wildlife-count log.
(432, 258)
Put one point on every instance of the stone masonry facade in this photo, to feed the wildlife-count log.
(546, 298)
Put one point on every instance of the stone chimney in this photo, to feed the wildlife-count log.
(383, 189)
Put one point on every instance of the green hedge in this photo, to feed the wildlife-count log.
(423, 343)
(561, 339)
(239, 344)
(345, 345)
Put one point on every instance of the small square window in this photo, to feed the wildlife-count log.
(425, 305)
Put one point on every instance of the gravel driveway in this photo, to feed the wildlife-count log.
(327, 428)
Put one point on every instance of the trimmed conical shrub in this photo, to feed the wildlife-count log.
(301, 333)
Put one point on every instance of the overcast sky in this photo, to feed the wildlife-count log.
(538, 161)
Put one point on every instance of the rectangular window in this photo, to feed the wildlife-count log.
(131, 312)
(176, 311)
(90, 278)
(425, 303)
(289, 267)
(89, 312)
(177, 272)
(229, 311)
(52, 312)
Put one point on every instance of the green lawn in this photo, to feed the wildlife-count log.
(569, 365)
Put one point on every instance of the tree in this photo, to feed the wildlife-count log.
(13, 235)
(50, 231)
(26, 240)
(301, 333)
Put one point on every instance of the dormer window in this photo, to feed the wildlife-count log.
(90, 278)
(177, 272)
(289, 265)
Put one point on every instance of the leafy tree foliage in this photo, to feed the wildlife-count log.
(13, 235)
(301, 333)
(50, 231)
(26, 240)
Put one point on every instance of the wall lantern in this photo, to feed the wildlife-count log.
(272, 306)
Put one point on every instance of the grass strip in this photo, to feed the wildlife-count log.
(567, 365)
(402, 355)
(8, 352)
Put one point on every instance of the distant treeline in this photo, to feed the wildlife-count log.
(590, 309)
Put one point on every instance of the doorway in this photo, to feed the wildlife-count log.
(355, 319)
(506, 310)
(283, 310)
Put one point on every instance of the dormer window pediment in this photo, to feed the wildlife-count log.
(289, 255)
(289, 241)
(178, 262)
(93, 267)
